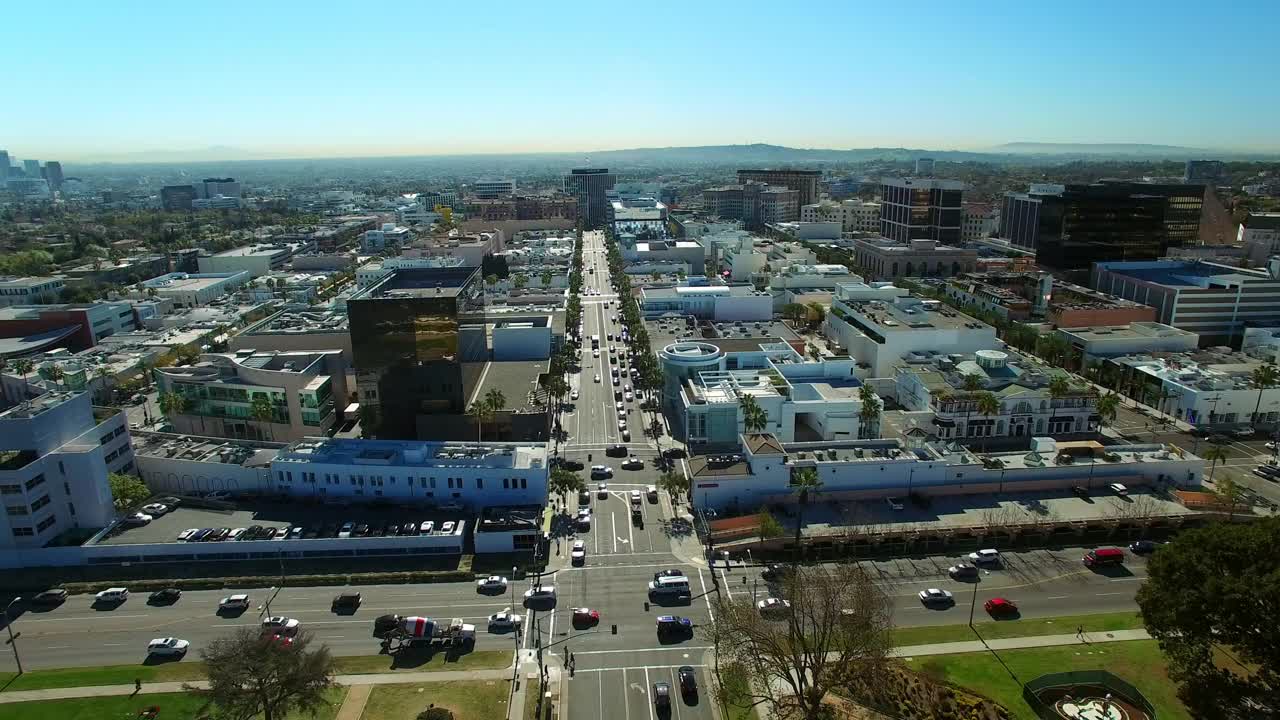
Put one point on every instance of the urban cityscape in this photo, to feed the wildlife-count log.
(757, 431)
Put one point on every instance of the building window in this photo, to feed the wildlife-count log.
(23, 532)
(35, 482)
(12, 490)
(16, 510)
(44, 500)
(506, 484)
(46, 523)
(479, 483)
(524, 483)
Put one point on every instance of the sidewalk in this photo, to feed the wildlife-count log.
(171, 687)
(966, 646)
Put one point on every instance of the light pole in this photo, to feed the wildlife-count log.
(977, 580)
(13, 639)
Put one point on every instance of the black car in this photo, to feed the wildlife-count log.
(409, 529)
(165, 596)
(688, 680)
(674, 453)
(1080, 492)
(616, 451)
(568, 464)
(346, 600)
(52, 596)
(361, 530)
(253, 533)
(776, 571)
(662, 695)
(1142, 547)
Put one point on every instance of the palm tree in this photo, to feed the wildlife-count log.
(754, 418)
(23, 367)
(519, 281)
(171, 403)
(261, 410)
(972, 383)
(805, 484)
(1059, 386)
(987, 405)
(546, 278)
(1107, 406)
(55, 375)
(869, 415)
(1214, 454)
(1263, 377)
(101, 373)
(494, 401)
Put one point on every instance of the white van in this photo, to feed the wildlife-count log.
(112, 595)
(670, 585)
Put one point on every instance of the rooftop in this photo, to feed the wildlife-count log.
(268, 249)
(517, 380)
(415, 453)
(912, 315)
(1186, 274)
(26, 282)
(701, 291)
(1135, 330)
(192, 282)
(203, 449)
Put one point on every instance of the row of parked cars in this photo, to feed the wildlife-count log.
(331, 530)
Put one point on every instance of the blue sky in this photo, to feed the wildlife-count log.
(92, 79)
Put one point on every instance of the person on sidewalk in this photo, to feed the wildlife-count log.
(137, 685)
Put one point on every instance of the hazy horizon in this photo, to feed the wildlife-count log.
(315, 80)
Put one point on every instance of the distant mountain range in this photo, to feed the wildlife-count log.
(1163, 151)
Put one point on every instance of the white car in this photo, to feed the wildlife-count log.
(236, 533)
(155, 509)
(622, 409)
(493, 582)
(597, 377)
(541, 592)
(112, 595)
(186, 534)
(447, 527)
(505, 620)
(234, 602)
(602, 489)
(935, 596)
(595, 353)
(629, 397)
(636, 498)
(167, 646)
(1119, 489)
(989, 555)
(574, 395)
(774, 606)
(579, 553)
(426, 527)
(137, 519)
(622, 424)
(281, 624)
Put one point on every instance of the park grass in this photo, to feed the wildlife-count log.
(187, 671)
(1139, 662)
(737, 706)
(1030, 627)
(175, 705)
(468, 699)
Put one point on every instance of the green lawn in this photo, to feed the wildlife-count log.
(408, 661)
(1139, 662)
(1033, 627)
(173, 706)
(735, 688)
(469, 700)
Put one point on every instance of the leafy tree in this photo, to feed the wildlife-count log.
(972, 383)
(261, 410)
(769, 525)
(794, 311)
(1263, 377)
(252, 675)
(816, 312)
(172, 403)
(520, 280)
(24, 366)
(564, 482)
(1108, 405)
(1059, 386)
(869, 415)
(674, 483)
(126, 490)
(1210, 601)
(987, 404)
(838, 629)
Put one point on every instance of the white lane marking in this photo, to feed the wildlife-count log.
(1105, 594)
(1057, 597)
(601, 692)
(1127, 579)
(706, 597)
(646, 689)
(25, 621)
(57, 647)
(112, 644)
(725, 579)
(614, 521)
(631, 538)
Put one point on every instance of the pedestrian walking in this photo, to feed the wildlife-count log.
(137, 685)
(1080, 631)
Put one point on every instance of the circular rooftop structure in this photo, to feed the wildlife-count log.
(992, 358)
(690, 353)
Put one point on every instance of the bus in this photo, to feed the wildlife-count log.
(595, 342)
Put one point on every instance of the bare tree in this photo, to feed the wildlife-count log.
(836, 629)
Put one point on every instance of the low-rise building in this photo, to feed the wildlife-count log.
(978, 220)
(1262, 343)
(938, 383)
(853, 215)
(188, 290)
(1101, 342)
(371, 272)
(257, 260)
(879, 333)
(221, 394)
(27, 329)
(1205, 389)
(1072, 305)
(755, 204)
(125, 271)
(297, 328)
(681, 251)
(29, 290)
(388, 236)
(887, 259)
(708, 302)
(1259, 235)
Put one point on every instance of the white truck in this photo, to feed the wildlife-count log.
(414, 630)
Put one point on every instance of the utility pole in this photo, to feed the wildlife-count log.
(13, 639)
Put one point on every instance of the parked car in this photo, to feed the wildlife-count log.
(155, 509)
(662, 696)
(136, 519)
(962, 571)
(633, 463)
(578, 555)
(1119, 489)
(1080, 491)
(688, 681)
(988, 556)
(446, 528)
(773, 606)
(234, 602)
(1142, 547)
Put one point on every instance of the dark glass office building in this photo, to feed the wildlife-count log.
(418, 345)
(921, 209)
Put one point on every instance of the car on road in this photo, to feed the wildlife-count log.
(222, 495)
(988, 556)
(1000, 606)
(596, 377)
(776, 571)
(345, 600)
(578, 555)
(504, 621)
(962, 571)
(773, 606)
(569, 464)
(622, 424)
(1119, 489)
(1142, 547)
(601, 472)
(688, 681)
(446, 528)
(894, 503)
(629, 397)
(936, 596)
(595, 352)
(652, 493)
(585, 617)
(619, 407)
(155, 509)
(662, 696)
(616, 451)
(573, 395)
(52, 596)
(540, 593)
(427, 527)
(493, 583)
(137, 519)
(583, 520)
(280, 624)
(674, 625)
(167, 646)
(669, 572)
(167, 596)
(674, 453)
(633, 463)
(114, 595)
(1243, 433)
(1080, 491)
(234, 602)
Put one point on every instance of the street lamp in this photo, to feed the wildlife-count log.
(13, 639)
(977, 580)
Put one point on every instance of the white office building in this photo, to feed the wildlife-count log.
(1205, 389)
(257, 260)
(853, 215)
(188, 290)
(388, 236)
(1109, 341)
(709, 302)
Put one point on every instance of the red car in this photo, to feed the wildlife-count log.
(1000, 606)
(585, 617)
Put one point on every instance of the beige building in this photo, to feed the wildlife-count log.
(886, 259)
(853, 215)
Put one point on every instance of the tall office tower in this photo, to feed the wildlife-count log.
(1183, 206)
(177, 197)
(1206, 172)
(213, 187)
(53, 173)
(418, 346)
(924, 167)
(803, 181)
(1074, 226)
(921, 209)
(5, 166)
(31, 168)
(589, 186)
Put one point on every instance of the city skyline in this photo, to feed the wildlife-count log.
(511, 79)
